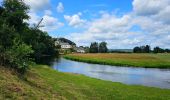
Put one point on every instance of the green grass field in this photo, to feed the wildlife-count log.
(44, 83)
(128, 59)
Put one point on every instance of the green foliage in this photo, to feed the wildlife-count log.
(103, 47)
(94, 47)
(142, 49)
(18, 40)
(158, 50)
(18, 56)
(15, 12)
(98, 47)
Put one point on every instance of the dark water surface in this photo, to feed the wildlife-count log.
(152, 77)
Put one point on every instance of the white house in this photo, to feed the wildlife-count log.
(64, 45)
(80, 50)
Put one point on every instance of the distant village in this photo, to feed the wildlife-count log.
(67, 46)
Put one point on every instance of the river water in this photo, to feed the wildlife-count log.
(151, 77)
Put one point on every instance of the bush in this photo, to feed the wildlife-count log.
(18, 56)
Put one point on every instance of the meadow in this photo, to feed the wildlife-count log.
(124, 59)
(44, 83)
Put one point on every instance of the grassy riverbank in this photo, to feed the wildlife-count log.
(44, 83)
(118, 59)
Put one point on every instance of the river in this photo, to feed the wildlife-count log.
(152, 77)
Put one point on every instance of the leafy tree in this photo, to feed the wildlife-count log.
(15, 12)
(142, 49)
(147, 49)
(94, 47)
(137, 50)
(18, 40)
(167, 50)
(158, 50)
(103, 47)
(87, 49)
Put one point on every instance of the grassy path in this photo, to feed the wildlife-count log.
(117, 59)
(44, 83)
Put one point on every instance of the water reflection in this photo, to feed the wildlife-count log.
(128, 75)
(47, 60)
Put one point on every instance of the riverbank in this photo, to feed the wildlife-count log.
(42, 82)
(124, 59)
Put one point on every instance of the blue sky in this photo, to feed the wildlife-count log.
(123, 24)
(90, 10)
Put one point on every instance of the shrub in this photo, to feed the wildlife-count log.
(18, 56)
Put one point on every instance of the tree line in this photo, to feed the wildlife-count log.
(20, 44)
(96, 47)
(147, 49)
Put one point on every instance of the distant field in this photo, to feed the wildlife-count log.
(125, 59)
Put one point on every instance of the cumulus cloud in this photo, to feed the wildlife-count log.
(74, 20)
(156, 9)
(151, 16)
(38, 5)
(50, 23)
(48, 12)
(107, 28)
(60, 7)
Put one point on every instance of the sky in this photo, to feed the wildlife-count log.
(123, 24)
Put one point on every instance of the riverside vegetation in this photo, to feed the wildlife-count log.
(44, 83)
(20, 44)
(125, 59)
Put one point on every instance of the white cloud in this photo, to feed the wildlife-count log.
(148, 7)
(34, 18)
(74, 20)
(60, 7)
(107, 28)
(156, 9)
(48, 12)
(38, 5)
(50, 23)
(151, 16)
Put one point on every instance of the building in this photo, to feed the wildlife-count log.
(80, 50)
(64, 43)
(66, 46)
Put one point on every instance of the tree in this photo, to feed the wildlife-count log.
(103, 47)
(142, 49)
(137, 50)
(15, 13)
(158, 50)
(19, 43)
(94, 47)
(147, 49)
(87, 49)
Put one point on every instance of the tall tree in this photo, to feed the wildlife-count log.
(94, 47)
(15, 13)
(103, 47)
(158, 50)
(147, 49)
(137, 50)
